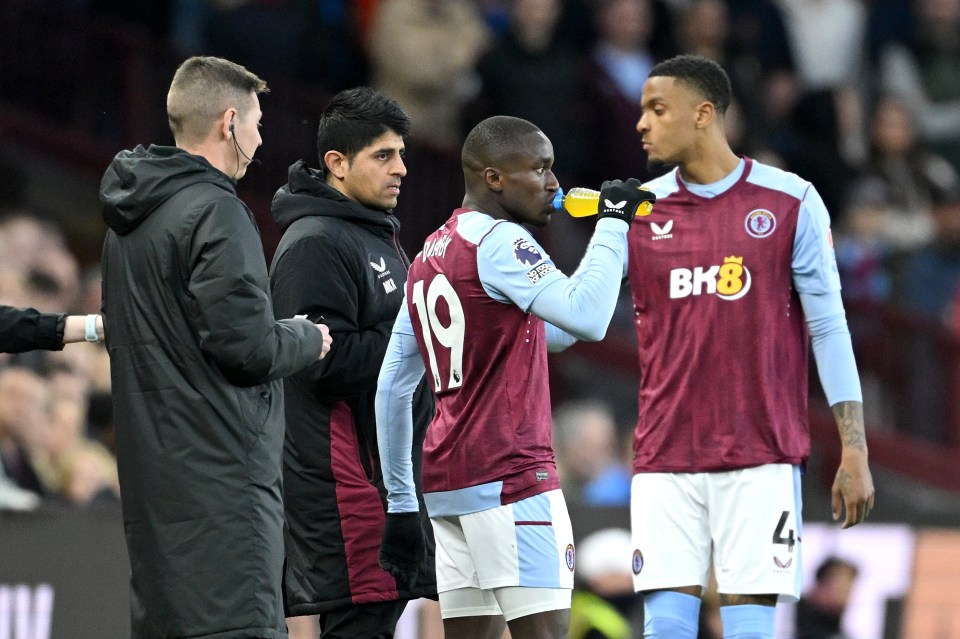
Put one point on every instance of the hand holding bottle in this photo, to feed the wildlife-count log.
(583, 202)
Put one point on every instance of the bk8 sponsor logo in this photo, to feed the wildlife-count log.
(728, 281)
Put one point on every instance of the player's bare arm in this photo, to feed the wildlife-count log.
(853, 485)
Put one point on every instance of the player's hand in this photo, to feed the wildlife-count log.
(621, 200)
(852, 488)
(403, 549)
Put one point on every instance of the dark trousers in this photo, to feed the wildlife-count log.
(363, 621)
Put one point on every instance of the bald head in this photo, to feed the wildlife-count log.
(202, 89)
(495, 141)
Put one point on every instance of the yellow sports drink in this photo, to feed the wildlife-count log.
(579, 202)
(583, 202)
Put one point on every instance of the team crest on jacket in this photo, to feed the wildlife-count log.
(760, 223)
(525, 252)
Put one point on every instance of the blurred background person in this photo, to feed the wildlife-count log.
(912, 174)
(924, 70)
(593, 458)
(423, 54)
(820, 610)
(616, 69)
(604, 605)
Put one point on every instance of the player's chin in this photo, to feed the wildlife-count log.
(543, 219)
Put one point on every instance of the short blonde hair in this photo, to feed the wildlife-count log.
(202, 89)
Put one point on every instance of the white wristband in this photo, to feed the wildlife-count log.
(91, 329)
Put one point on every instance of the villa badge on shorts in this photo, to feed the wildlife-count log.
(760, 223)
(571, 557)
(637, 561)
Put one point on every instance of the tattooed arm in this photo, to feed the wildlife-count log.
(853, 485)
(833, 351)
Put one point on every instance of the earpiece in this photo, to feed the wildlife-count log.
(231, 128)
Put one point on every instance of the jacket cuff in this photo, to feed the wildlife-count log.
(50, 330)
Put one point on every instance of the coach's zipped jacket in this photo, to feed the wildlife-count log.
(341, 261)
(195, 360)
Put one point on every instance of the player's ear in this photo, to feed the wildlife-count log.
(706, 113)
(493, 179)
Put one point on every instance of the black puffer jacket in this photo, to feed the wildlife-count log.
(341, 261)
(196, 358)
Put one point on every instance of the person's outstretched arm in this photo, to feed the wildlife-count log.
(27, 329)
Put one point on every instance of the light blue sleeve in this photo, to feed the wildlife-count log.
(558, 339)
(832, 348)
(400, 373)
(581, 306)
(814, 262)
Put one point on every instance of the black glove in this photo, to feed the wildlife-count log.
(622, 199)
(403, 549)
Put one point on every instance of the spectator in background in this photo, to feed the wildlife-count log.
(24, 413)
(196, 359)
(533, 74)
(935, 264)
(705, 30)
(762, 69)
(825, 135)
(604, 605)
(820, 611)
(423, 54)
(911, 174)
(828, 40)
(616, 69)
(925, 73)
(925, 285)
(865, 243)
(90, 475)
(592, 466)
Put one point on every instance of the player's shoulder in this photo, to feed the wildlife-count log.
(477, 227)
(777, 179)
(664, 185)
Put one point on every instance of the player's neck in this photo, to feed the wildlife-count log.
(709, 165)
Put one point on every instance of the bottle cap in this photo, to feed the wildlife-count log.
(558, 199)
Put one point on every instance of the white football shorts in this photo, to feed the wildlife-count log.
(515, 560)
(748, 521)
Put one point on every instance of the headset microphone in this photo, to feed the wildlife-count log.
(236, 144)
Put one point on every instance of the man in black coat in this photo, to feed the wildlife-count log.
(339, 260)
(196, 358)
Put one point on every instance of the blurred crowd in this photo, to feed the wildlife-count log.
(861, 97)
(55, 414)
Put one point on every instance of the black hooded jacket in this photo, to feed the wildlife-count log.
(196, 357)
(340, 261)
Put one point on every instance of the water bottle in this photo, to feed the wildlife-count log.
(582, 202)
(579, 202)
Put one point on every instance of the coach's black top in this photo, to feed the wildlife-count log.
(341, 261)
